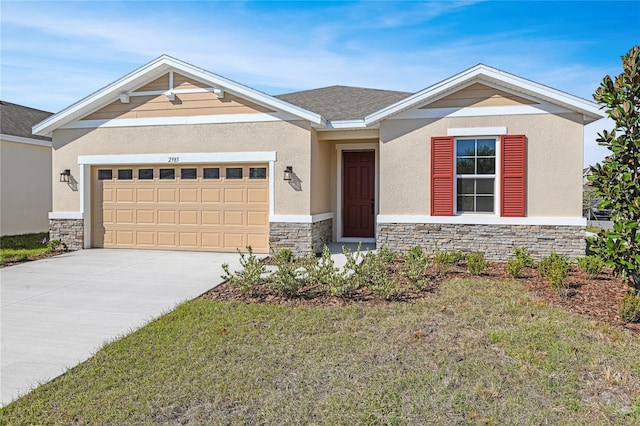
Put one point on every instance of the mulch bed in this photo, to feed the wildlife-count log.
(596, 298)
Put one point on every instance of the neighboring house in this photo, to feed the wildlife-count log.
(172, 156)
(25, 171)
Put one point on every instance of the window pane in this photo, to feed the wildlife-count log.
(190, 173)
(105, 174)
(211, 173)
(486, 166)
(167, 173)
(465, 203)
(234, 172)
(484, 204)
(125, 174)
(145, 174)
(257, 172)
(465, 186)
(486, 147)
(465, 147)
(484, 186)
(465, 166)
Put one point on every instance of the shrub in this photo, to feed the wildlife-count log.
(415, 265)
(476, 263)
(53, 245)
(522, 254)
(590, 265)
(629, 308)
(249, 276)
(555, 269)
(515, 266)
(374, 273)
(286, 279)
(444, 260)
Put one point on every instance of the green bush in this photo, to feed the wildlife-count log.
(443, 260)
(286, 279)
(522, 254)
(375, 274)
(515, 267)
(590, 265)
(476, 263)
(555, 269)
(249, 276)
(414, 267)
(53, 245)
(629, 308)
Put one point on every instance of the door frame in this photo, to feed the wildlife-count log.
(340, 147)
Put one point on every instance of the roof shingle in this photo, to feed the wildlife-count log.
(343, 102)
(17, 120)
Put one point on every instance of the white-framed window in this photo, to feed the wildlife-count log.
(476, 176)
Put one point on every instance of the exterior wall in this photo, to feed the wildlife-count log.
(495, 241)
(301, 238)
(289, 139)
(477, 95)
(25, 188)
(69, 231)
(554, 161)
(321, 189)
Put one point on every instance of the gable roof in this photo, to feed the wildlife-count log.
(344, 102)
(150, 72)
(493, 77)
(17, 120)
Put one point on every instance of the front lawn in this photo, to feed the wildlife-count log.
(21, 248)
(475, 351)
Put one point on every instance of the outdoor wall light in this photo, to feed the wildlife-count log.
(65, 176)
(288, 172)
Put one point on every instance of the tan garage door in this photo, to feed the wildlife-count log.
(186, 207)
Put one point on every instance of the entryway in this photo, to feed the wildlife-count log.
(358, 194)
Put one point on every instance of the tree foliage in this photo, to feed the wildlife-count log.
(616, 179)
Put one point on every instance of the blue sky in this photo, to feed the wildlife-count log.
(55, 53)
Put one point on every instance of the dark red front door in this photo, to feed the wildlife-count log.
(358, 193)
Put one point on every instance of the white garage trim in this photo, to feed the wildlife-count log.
(86, 161)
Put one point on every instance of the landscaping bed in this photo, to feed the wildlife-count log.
(16, 249)
(596, 297)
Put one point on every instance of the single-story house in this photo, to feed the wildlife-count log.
(25, 171)
(172, 156)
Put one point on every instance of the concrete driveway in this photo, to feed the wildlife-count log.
(58, 312)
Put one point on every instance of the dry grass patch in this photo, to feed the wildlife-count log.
(478, 351)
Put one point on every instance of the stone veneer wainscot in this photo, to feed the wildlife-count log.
(301, 238)
(495, 241)
(69, 231)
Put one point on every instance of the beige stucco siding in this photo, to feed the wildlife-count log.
(478, 95)
(289, 139)
(25, 188)
(321, 171)
(554, 161)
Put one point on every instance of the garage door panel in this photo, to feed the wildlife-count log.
(146, 217)
(166, 195)
(188, 217)
(124, 238)
(189, 195)
(190, 214)
(124, 195)
(146, 238)
(234, 218)
(234, 195)
(211, 218)
(124, 217)
(167, 217)
(257, 195)
(211, 195)
(145, 195)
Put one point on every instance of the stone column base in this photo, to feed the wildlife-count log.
(301, 238)
(495, 241)
(69, 231)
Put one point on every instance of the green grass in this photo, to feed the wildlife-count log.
(20, 248)
(478, 352)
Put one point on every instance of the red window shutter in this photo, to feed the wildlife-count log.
(442, 176)
(513, 175)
